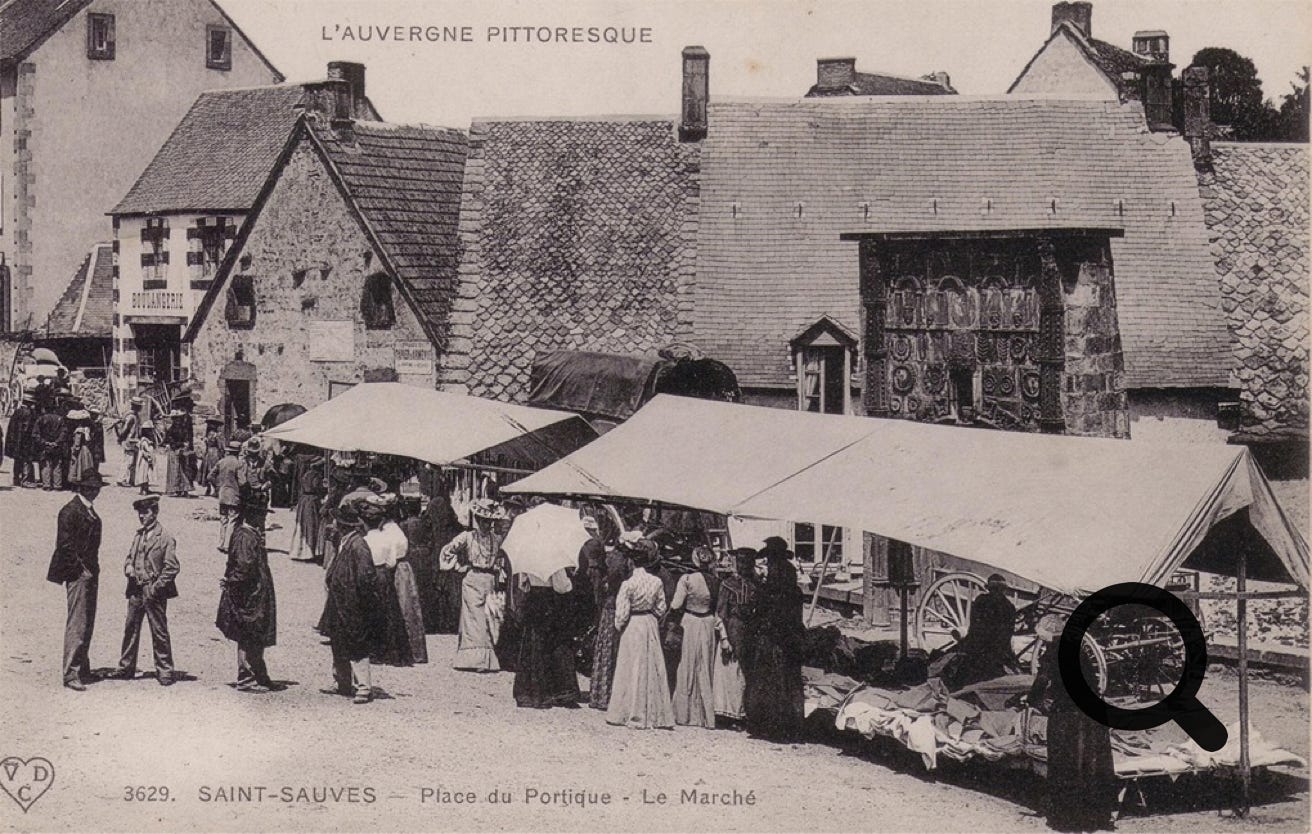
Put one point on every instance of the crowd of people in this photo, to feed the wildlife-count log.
(664, 637)
(52, 434)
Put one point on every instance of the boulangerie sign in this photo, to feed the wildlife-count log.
(414, 358)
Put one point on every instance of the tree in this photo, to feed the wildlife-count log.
(1237, 100)
(1294, 109)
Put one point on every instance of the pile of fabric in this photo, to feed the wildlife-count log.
(974, 722)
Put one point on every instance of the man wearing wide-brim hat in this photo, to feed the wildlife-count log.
(151, 567)
(248, 611)
(76, 565)
(18, 445)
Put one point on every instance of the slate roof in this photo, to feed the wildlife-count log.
(86, 308)
(220, 154)
(24, 24)
(405, 182)
(881, 84)
(766, 269)
(575, 235)
(1111, 60)
(1256, 202)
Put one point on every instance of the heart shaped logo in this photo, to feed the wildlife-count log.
(26, 781)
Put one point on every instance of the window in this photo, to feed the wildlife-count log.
(208, 243)
(240, 311)
(218, 47)
(822, 381)
(154, 254)
(809, 550)
(158, 352)
(376, 302)
(100, 37)
(961, 394)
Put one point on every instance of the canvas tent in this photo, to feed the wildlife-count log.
(1069, 513)
(438, 427)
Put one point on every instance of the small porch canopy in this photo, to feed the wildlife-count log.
(1072, 514)
(439, 427)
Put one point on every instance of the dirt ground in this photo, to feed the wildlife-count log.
(200, 752)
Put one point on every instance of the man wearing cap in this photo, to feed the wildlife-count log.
(76, 565)
(229, 478)
(18, 445)
(248, 611)
(151, 566)
(129, 437)
(52, 441)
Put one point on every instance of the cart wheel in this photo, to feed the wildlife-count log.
(1162, 664)
(945, 607)
(1089, 649)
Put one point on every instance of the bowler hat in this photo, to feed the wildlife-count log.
(150, 502)
(90, 477)
(233, 447)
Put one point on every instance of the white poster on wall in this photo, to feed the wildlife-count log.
(331, 341)
(414, 358)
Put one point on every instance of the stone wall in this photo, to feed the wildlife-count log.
(308, 257)
(1093, 398)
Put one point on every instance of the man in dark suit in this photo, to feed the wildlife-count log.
(18, 445)
(76, 564)
(151, 567)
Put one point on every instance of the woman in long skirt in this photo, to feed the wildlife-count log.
(422, 558)
(737, 596)
(1081, 774)
(544, 669)
(395, 649)
(146, 454)
(696, 594)
(443, 526)
(607, 577)
(773, 699)
(407, 589)
(177, 444)
(305, 528)
(477, 552)
(640, 691)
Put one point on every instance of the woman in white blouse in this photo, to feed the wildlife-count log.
(640, 692)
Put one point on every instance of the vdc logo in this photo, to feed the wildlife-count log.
(26, 781)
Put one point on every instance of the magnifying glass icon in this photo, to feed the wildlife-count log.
(1181, 705)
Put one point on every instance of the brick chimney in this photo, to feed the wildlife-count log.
(835, 73)
(1198, 114)
(353, 74)
(1078, 14)
(696, 93)
(940, 78)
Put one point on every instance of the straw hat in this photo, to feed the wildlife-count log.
(489, 509)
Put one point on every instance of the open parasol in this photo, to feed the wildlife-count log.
(545, 539)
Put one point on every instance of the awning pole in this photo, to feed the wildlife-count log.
(1245, 775)
(824, 565)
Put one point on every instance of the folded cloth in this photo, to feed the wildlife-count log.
(920, 738)
(962, 711)
(927, 697)
(998, 723)
(994, 693)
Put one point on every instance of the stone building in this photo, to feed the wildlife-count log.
(78, 329)
(174, 226)
(344, 270)
(1017, 262)
(89, 89)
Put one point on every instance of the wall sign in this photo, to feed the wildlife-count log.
(331, 341)
(414, 358)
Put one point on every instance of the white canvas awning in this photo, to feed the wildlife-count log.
(701, 454)
(435, 426)
(1072, 514)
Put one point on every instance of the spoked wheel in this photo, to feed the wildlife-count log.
(1159, 664)
(944, 608)
(1093, 655)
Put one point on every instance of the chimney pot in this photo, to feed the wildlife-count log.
(1078, 14)
(835, 73)
(1198, 114)
(353, 74)
(696, 93)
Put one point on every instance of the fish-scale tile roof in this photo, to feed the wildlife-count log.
(86, 308)
(1255, 198)
(576, 235)
(220, 154)
(781, 181)
(405, 182)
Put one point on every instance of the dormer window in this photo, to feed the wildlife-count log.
(376, 302)
(218, 47)
(822, 356)
(240, 310)
(100, 37)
